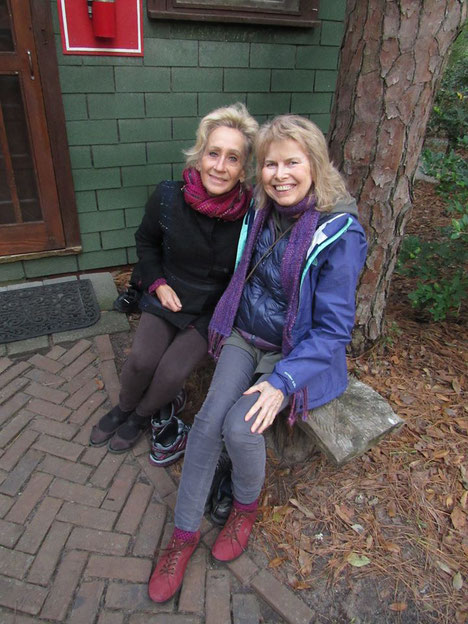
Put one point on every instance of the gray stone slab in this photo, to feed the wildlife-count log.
(245, 609)
(24, 285)
(351, 424)
(104, 287)
(59, 280)
(28, 345)
(2, 350)
(109, 323)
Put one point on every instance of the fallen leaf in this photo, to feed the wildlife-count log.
(457, 581)
(398, 606)
(456, 385)
(277, 561)
(344, 513)
(305, 561)
(391, 509)
(391, 546)
(442, 397)
(440, 454)
(357, 560)
(463, 499)
(444, 567)
(99, 384)
(307, 513)
(458, 518)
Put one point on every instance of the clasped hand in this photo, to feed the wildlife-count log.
(265, 407)
(168, 298)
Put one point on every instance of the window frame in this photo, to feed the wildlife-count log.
(306, 16)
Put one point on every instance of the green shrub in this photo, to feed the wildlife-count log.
(450, 113)
(439, 265)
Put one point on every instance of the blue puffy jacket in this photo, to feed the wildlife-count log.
(325, 317)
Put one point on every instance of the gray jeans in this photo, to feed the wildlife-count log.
(221, 418)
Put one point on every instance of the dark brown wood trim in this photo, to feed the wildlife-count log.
(34, 255)
(307, 17)
(48, 67)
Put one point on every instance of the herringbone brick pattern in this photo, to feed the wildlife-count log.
(79, 526)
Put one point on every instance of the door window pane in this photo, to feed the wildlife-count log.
(6, 39)
(17, 174)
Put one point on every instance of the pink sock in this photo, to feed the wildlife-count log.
(185, 536)
(243, 507)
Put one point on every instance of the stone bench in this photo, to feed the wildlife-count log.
(343, 429)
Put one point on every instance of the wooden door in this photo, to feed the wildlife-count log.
(30, 216)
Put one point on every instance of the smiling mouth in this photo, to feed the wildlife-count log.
(284, 187)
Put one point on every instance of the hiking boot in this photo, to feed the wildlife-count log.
(170, 569)
(221, 501)
(164, 416)
(169, 444)
(234, 536)
(107, 426)
(128, 434)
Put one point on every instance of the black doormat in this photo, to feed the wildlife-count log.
(29, 312)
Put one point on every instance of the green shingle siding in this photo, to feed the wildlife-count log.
(112, 199)
(50, 266)
(150, 129)
(246, 80)
(171, 104)
(223, 54)
(117, 239)
(90, 179)
(116, 106)
(142, 79)
(101, 221)
(200, 79)
(118, 155)
(105, 257)
(92, 132)
(171, 53)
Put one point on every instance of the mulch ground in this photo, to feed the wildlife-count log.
(389, 528)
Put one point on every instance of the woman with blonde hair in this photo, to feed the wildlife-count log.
(186, 245)
(279, 330)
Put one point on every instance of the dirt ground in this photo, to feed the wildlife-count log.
(383, 539)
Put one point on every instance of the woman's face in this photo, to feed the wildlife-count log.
(286, 172)
(222, 163)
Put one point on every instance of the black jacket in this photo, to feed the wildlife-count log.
(194, 253)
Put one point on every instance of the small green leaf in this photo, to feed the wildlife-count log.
(457, 581)
(357, 560)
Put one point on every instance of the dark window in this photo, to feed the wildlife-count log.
(279, 12)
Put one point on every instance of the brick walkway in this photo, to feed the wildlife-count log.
(79, 526)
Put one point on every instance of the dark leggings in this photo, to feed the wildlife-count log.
(161, 359)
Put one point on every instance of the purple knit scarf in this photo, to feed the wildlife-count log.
(299, 240)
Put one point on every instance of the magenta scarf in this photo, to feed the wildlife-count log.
(230, 206)
(295, 253)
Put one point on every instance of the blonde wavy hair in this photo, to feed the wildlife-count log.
(234, 116)
(328, 185)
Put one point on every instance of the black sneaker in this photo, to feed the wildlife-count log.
(169, 444)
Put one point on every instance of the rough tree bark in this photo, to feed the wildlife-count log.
(391, 59)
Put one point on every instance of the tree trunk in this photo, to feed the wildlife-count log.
(392, 57)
